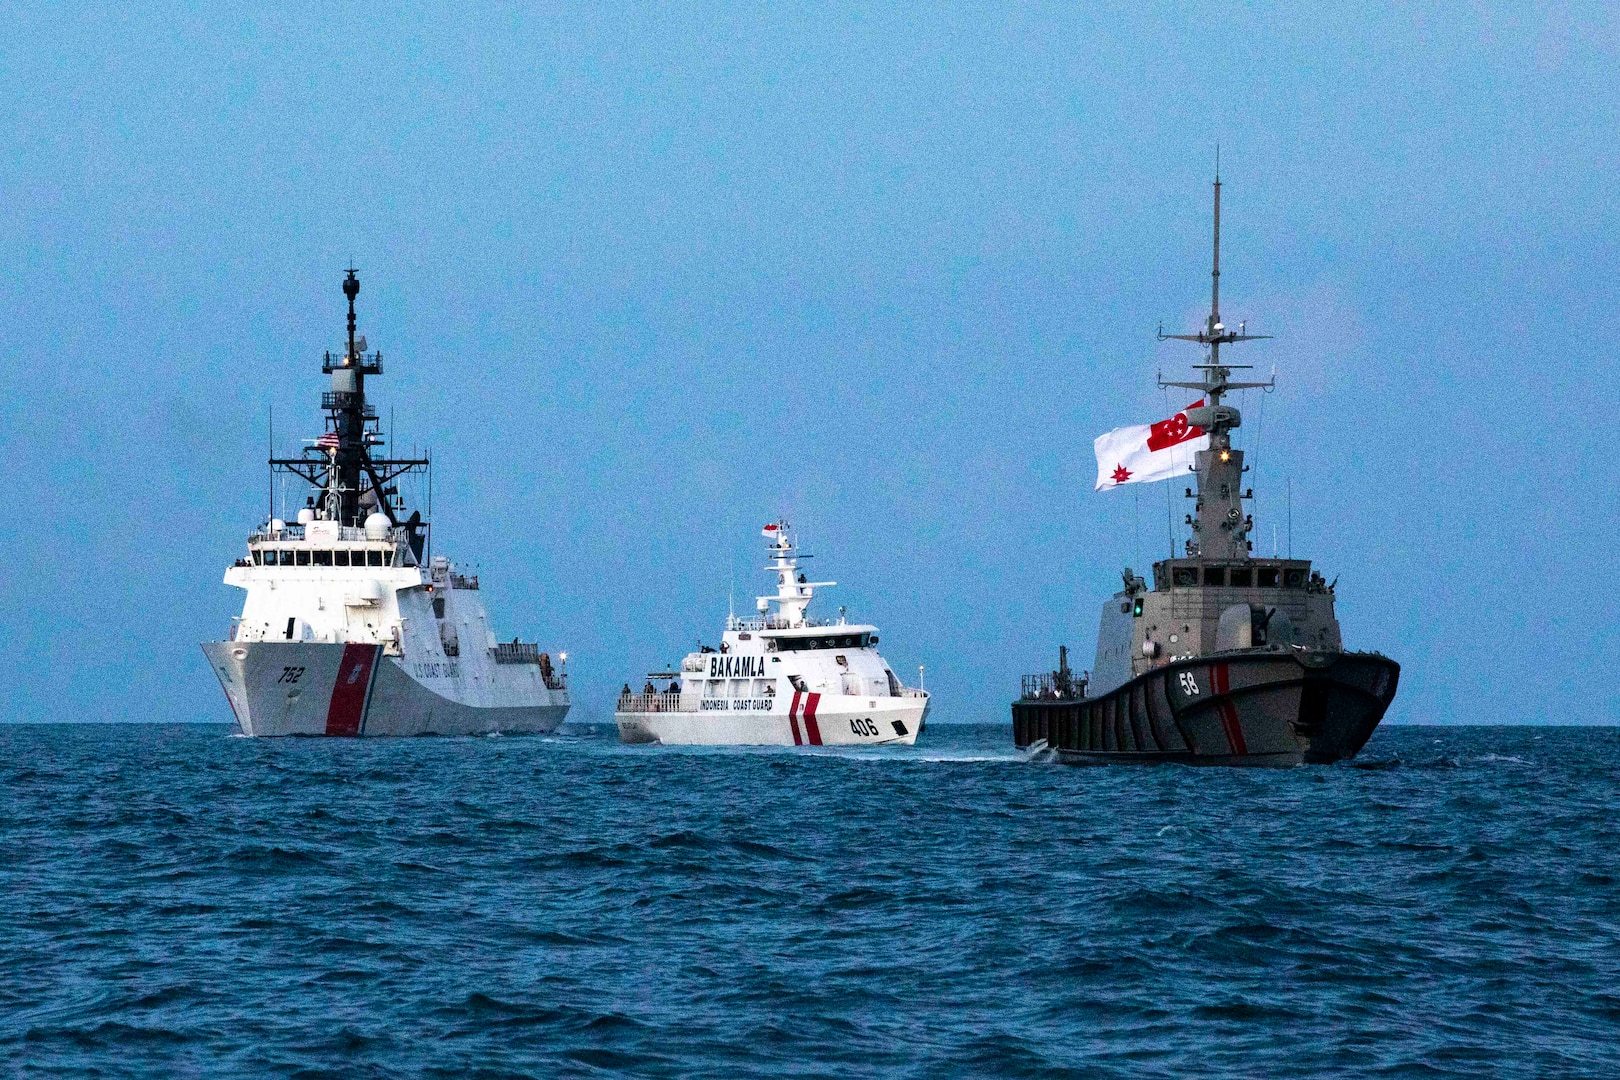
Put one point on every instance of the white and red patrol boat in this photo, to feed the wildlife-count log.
(349, 627)
(781, 679)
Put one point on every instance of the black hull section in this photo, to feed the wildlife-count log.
(1236, 708)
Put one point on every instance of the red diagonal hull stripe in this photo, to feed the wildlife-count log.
(810, 725)
(793, 718)
(348, 705)
(1220, 680)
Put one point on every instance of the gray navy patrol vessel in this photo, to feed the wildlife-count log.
(1226, 658)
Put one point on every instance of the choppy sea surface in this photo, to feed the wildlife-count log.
(179, 902)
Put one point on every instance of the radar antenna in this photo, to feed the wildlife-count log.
(1215, 333)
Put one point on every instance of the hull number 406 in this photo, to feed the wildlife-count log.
(863, 727)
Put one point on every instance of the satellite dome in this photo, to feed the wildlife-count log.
(306, 515)
(377, 526)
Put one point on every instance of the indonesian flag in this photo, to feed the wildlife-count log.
(771, 532)
(1134, 455)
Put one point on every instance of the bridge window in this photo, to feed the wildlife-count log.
(303, 557)
(836, 641)
(258, 558)
(1267, 577)
(1293, 578)
(388, 558)
(323, 558)
(341, 557)
(1241, 577)
(1214, 575)
(1185, 575)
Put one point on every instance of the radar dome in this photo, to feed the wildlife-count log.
(377, 526)
(305, 516)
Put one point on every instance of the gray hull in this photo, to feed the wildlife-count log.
(1268, 708)
(306, 688)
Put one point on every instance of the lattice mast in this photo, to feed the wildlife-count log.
(353, 484)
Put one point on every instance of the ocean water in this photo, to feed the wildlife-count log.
(179, 902)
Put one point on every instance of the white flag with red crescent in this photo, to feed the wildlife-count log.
(1146, 452)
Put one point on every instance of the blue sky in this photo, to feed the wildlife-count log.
(647, 277)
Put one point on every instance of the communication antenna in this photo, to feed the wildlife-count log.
(1290, 517)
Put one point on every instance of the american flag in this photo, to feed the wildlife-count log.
(329, 441)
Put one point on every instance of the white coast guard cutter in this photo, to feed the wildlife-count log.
(781, 679)
(347, 629)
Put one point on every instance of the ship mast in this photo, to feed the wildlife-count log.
(1220, 528)
(793, 592)
(352, 483)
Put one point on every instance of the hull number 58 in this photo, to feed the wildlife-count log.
(1189, 685)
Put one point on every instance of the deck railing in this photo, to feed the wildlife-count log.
(739, 622)
(347, 533)
(659, 702)
(343, 399)
(527, 652)
(1052, 686)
